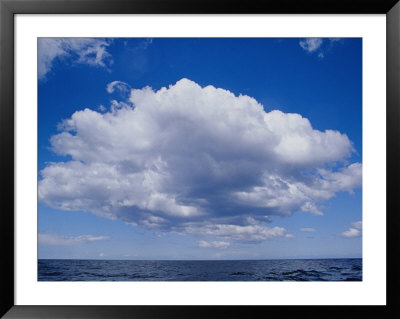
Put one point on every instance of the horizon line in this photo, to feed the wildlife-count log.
(103, 259)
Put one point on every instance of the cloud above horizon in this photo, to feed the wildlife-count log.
(91, 51)
(57, 240)
(196, 160)
(355, 231)
(213, 244)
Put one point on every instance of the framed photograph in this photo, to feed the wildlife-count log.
(166, 158)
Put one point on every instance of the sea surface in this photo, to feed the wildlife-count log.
(213, 270)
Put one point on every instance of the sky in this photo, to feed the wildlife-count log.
(199, 148)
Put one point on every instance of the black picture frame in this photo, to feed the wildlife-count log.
(8, 8)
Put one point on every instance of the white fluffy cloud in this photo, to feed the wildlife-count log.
(353, 232)
(213, 244)
(56, 240)
(198, 156)
(81, 50)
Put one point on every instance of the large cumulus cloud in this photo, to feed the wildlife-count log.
(198, 161)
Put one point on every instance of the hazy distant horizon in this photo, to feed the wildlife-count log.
(319, 258)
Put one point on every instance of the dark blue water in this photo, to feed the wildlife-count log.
(224, 270)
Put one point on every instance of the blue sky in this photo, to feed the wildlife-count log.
(199, 148)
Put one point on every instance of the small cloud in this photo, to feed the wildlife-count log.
(353, 232)
(318, 45)
(101, 108)
(213, 244)
(101, 255)
(119, 85)
(289, 236)
(311, 44)
(57, 240)
(307, 230)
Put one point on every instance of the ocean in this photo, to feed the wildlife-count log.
(349, 269)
